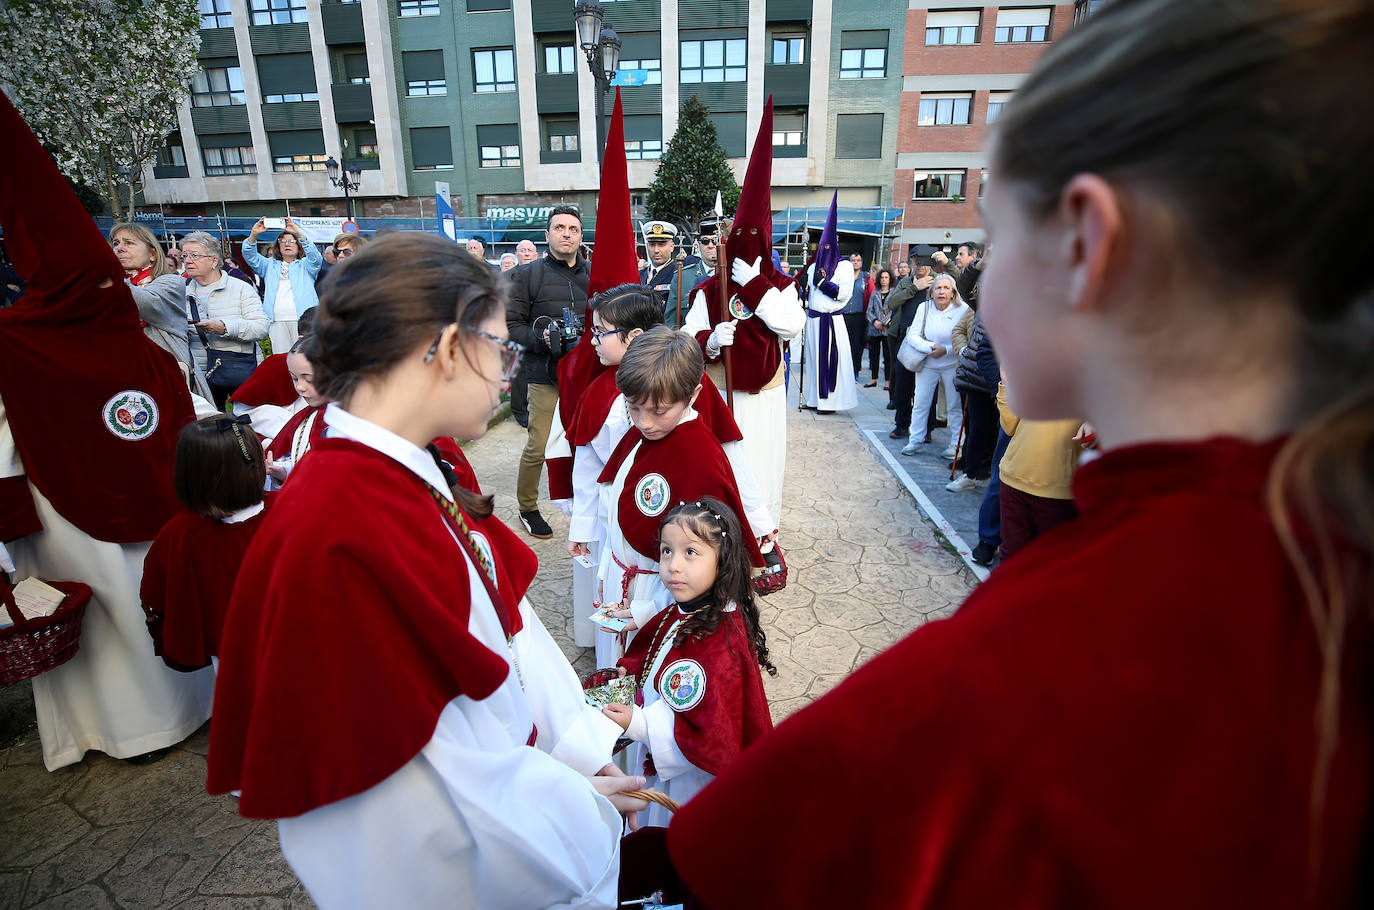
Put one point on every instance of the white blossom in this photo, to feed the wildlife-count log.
(100, 81)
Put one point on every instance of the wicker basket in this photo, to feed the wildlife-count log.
(34, 646)
(774, 575)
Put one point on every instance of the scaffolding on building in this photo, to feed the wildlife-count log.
(871, 230)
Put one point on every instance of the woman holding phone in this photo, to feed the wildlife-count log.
(288, 276)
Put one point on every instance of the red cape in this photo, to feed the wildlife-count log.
(269, 383)
(188, 575)
(733, 711)
(1121, 716)
(281, 443)
(685, 465)
(348, 634)
(95, 406)
(757, 349)
(462, 469)
(602, 393)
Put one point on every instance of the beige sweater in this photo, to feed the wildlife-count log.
(1042, 455)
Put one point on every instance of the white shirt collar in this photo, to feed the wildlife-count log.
(343, 425)
(243, 514)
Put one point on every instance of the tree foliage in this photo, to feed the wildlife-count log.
(692, 169)
(100, 81)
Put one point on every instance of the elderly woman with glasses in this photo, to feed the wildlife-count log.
(159, 292)
(227, 316)
(466, 696)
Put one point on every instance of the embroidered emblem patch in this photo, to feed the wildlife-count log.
(651, 495)
(683, 684)
(130, 415)
(738, 309)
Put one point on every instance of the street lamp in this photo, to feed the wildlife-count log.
(348, 181)
(601, 46)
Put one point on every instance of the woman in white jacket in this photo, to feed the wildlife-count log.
(932, 331)
(231, 315)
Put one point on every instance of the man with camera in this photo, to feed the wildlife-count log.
(540, 292)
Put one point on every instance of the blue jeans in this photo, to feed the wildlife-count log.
(990, 512)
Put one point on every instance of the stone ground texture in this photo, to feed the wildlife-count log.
(865, 569)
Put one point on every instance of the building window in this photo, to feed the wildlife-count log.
(494, 70)
(355, 69)
(277, 12)
(431, 148)
(424, 73)
(1082, 9)
(215, 14)
(643, 149)
(559, 59)
(859, 136)
(285, 97)
(1022, 26)
(863, 63)
(419, 8)
(562, 136)
(499, 156)
(721, 60)
(945, 110)
(171, 154)
(789, 49)
(939, 185)
(286, 164)
(952, 27)
(995, 102)
(653, 70)
(226, 162)
(217, 86)
(791, 131)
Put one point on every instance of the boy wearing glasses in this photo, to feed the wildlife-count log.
(695, 270)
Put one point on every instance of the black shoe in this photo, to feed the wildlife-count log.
(892, 405)
(535, 525)
(984, 553)
(147, 758)
(898, 434)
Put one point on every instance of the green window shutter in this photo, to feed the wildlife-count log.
(640, 46)
(210, 63)
(863, 39)
(296, 142)
(644, 126)
(430, 146)
(498, 134)
(285, 73)
(859, 136)
(227, 141)
(355, 66)
(477, 6)
(730, 131)
(423, 65)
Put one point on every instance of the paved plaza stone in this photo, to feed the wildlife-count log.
(866, 568)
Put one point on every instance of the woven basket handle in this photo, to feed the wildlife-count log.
(7, 595)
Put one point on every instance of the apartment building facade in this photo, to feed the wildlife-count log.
(494, 98)
(961, 65)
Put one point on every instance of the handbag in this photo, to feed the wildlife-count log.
(912, 357)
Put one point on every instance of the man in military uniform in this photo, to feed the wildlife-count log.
(695, 270)
(660, 239)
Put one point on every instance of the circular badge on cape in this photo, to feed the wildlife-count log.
(651, 495)
(130, 415)
(683, 685)
(738, 309)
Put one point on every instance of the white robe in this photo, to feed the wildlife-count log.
(115, 696)
(591, 513)
(762, 418)
(845, 394)
(477, 818)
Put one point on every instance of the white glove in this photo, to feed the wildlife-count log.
(744, 272)
(722, 335)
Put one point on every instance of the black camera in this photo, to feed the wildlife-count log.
(564, 333)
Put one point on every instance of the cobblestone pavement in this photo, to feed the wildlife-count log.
(866, 568)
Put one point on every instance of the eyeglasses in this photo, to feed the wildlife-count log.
(193, 257)
(512, 352)
(597, 336)
(345, 252)
(707, 241)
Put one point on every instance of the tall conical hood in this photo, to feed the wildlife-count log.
(828, 248)
(751, 237)
(614, 261)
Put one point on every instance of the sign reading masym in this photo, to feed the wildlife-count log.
(520, 215)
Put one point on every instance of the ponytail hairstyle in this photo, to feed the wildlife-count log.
(1237, 115)
(712, 521)
(394, 297)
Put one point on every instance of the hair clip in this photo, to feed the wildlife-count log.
(235, 424)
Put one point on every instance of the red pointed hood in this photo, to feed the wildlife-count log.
(751, 235)
(613, 260)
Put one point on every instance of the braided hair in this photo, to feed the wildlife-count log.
(712, 521)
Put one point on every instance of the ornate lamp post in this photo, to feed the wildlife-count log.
(348, 181)
(601, 46)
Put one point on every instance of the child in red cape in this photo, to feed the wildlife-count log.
(697, 662)
(190, 569)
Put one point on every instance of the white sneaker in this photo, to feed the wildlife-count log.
(948, 453)
(960, 484)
